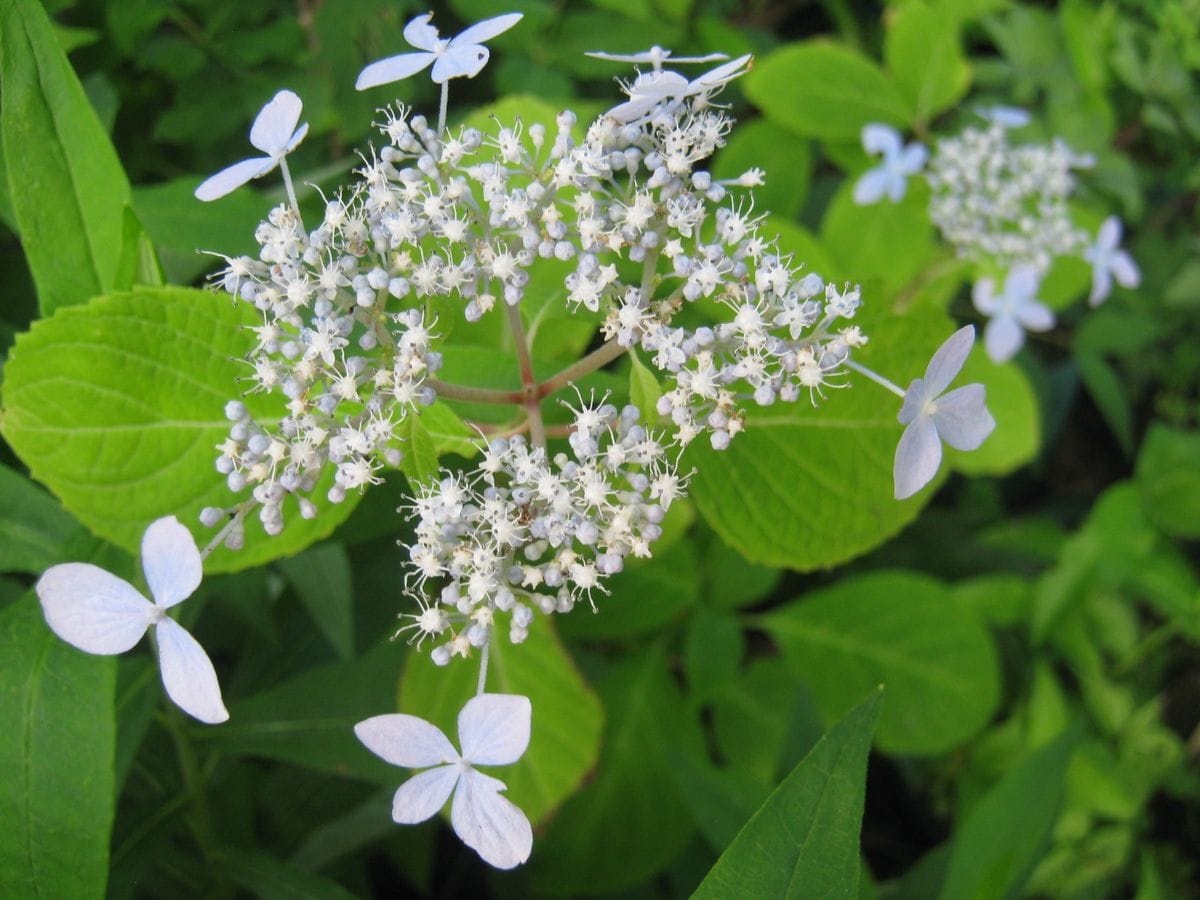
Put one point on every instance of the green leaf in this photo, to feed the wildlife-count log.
(628, 822)
(824, 90)
(56, 752)
(33, 528)
(567, 716)
(1012, 403)
(713, 648)
(763, 718)
(320, 576)
(807, 488)
(903, 630)
(785, 158)
(420, 461)
(923, 51)
(117, 406)
(309, 719)
(671, 579)
(1168, 479)
(804, 841)
(644, 389)
(998, 844)
(888, 242)
(269, 878)
(67, 187)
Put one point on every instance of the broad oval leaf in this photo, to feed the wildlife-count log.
(804, 841)
(824, 90)
(904, 631)
(567, 715)
(56, 752)
(117, 406)
(923, 50)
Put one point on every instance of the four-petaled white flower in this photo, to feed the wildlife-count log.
(891, 176)
(494, 731)
(960, 418)
(652, 88)
(274, 133)
(1109, 261)
(1011, 313)
(100, 613)
(460, 56)
(656, 56)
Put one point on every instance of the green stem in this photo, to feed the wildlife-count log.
(597, 359)
(469, 394)
(530, 396)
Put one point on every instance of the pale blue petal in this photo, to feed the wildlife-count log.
(296, 138)
(171, 561)
(1003, 337)
(715, 78)
(405, 740)
(1101, 284)
(485, 30)
(1034, 316)
(424, 794)
(494, 729)
(880, 140)
(962, 418)
(912, 160)
(488, 823)
(914, 401)
(897, 185)
(948, 360)
(234, 177)
(1109, 236)
(1022, 283)
(1125, 269)
(188, 673)
(918, 456)
(465, 61)
(983, 295)
(275, 124)
(420, 34)
(392, 69)
(870, 186)
(92, 609)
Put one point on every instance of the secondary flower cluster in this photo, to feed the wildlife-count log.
(1002, 205)
(528, 531)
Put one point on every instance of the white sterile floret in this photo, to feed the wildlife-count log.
(1109, 261)
(960, 418)
(656, 56)
(96, 611)
(462, 56)
(890, 177)
(1012, 312)
(274, 133)
(493, 730)
(662, 86)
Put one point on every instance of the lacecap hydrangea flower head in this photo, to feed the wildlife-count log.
(444, 221)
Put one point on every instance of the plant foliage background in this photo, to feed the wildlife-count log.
(1035, 627)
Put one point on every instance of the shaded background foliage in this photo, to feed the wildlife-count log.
(1035, 627)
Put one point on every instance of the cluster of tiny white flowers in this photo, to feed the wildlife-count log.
(529, 532)
(1007, 203)
(465, 215)
(351, 370)
(643, 193)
